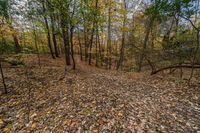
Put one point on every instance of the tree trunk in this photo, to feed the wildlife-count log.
(54, 35)
(15, 38)
(195, 56)
(109, 50)
(36, 44)
(148, 29)
(91, 42)
(80, 45)
(48, 31)
(96, 43)
(3, 79)
(121, 59)
(86, 43)
(65, 33)
(72, 47)
(16, 41)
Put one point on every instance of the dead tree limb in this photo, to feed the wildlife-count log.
(176, 66)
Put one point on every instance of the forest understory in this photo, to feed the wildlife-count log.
(90, 99)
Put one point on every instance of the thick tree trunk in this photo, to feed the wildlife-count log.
(65, 33)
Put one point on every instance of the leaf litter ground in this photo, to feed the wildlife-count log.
(90, 99)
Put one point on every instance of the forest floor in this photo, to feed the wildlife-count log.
(91, 99)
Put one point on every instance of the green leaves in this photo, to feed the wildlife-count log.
(4, 8)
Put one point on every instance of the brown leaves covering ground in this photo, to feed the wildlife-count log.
(95, 100)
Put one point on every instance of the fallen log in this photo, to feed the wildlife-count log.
(175, 66)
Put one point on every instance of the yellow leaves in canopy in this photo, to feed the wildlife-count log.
(125, 29)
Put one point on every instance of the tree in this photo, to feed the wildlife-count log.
(5, 6)
(47, 28)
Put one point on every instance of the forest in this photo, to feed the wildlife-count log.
(125, 66)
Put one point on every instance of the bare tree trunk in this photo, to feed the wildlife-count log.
(17, 46)
(54, 35)
(65, 33)
(148, 29)
(80, 45)
(91, 42)
(96, 43)
(48, 31)
(195, 56)
(109, 49)
(3, 79)
(99, 50)
(121, 59)
(72, 47)
(85, 36)
(36, 44)
(86, 43)
(15, 38)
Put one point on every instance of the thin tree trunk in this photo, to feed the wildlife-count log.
(86, 43)
(36, 44)
(194, 57)
(80, 45)
(121, 59)
(48, 32)
(15, 38)
(96, 43)
(54, 35)
(99, 51)
(91, 42)
(72, 47)
(148, 29)
(109, 50)
(16, 41)
(3, 79)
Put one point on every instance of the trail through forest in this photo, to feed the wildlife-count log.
(91, 99)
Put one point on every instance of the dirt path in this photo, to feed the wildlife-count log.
(96, 100)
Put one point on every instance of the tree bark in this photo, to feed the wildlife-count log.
(176, 66)
(109, 49)
(36, 44)
(15, 38)
(91, 43)
(80, 45)
(3, 78)
(121, 59)
(65, 33)
(16, 41)
(54, 35)
(48, 31)
(72, 47)
(148, 29)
